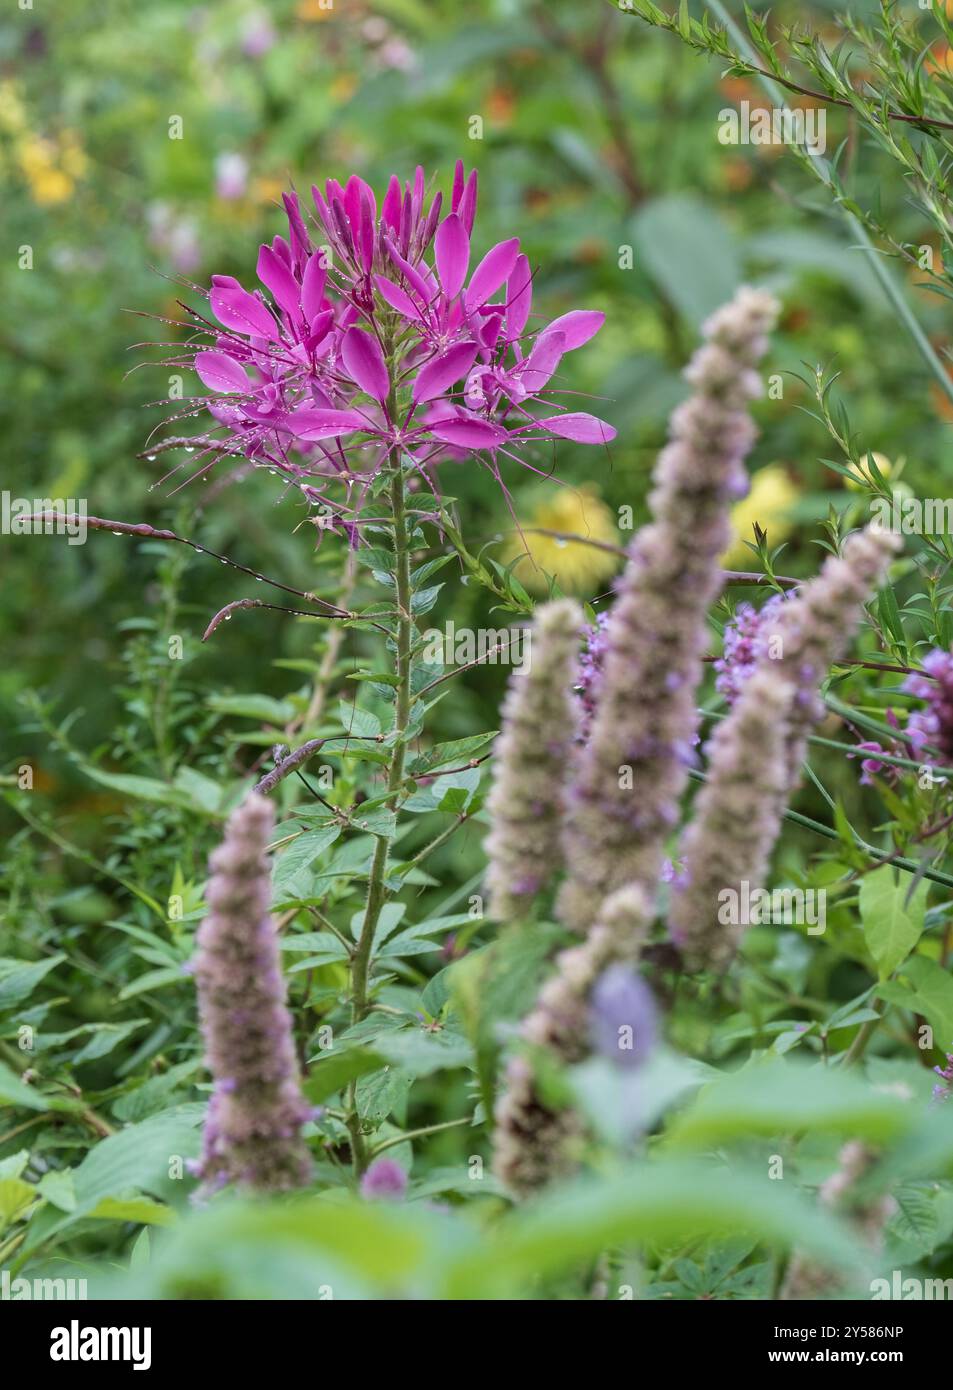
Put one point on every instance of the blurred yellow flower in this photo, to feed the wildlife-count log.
(73, 159)
(344, 86)
(267, 190)
(578, 567)
(12, 113)
(884, 466)
(37, 158)
(768, 503)
(314, 11)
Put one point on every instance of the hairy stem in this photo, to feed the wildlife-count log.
(377, 891)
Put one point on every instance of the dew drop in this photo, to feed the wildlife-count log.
(117, 533)
(151, 458)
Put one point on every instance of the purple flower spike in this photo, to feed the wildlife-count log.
(253, 1126)
(933, 726)
(384, 1180)
(624, 1017)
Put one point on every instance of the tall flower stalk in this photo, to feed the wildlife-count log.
(812, 629)
(252, 1131)
(536, 1141)
(540, 718)
(735, 821)
(374, 349)
(624, 798)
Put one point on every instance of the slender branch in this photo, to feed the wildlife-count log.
(396, 1139)
(824, 172)
(880, 855)
(225, 613)
(153, 533)
(438, 840)
(301, 755)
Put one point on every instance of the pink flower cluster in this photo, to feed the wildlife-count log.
(373, 336)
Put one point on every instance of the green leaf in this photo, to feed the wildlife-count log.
(458, 750)
(290, 876)
(262, 708)
(423, 1053)
(18, 979)
(925, 988)
(358, 721)
(689, 252)
(57, 1187)
(143, 1157)
(774, 1096)
(17, 1093)
(142, 1210)
(154, 979)
(331, 1071)
(892, 918)
(665, 1203)
(15, 1196)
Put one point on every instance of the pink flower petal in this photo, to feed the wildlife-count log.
(239, 310)
(466, 210)
(439, 374)
(542, 362)
(274, 274)
(577, 327)
(519, 297)
(312, 286)
(220, 373)
(496, 266)
(365, 363)
(469, 434)
(390, 210)
(324, 424)
(579, 426)
(414, 279)
(397, 298)
(452, 249)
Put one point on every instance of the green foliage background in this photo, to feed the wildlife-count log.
(599, 149)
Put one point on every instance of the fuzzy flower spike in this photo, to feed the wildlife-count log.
(624, 799)
(533, 1142)
(539, 728)
(372, 333)
(736, 820)
(253, 1127)
(812, 629)
(755, 755)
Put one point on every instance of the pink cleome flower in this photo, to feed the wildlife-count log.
(362, 347)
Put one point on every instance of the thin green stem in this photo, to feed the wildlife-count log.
(418, 1134)
(377, 889)
(824, 172)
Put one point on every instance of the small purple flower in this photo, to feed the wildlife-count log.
(944, 1091)
(384, 1180)
(746, 642)
(590, 671)
(872, 766)
(624, 1017)
(933, 726)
